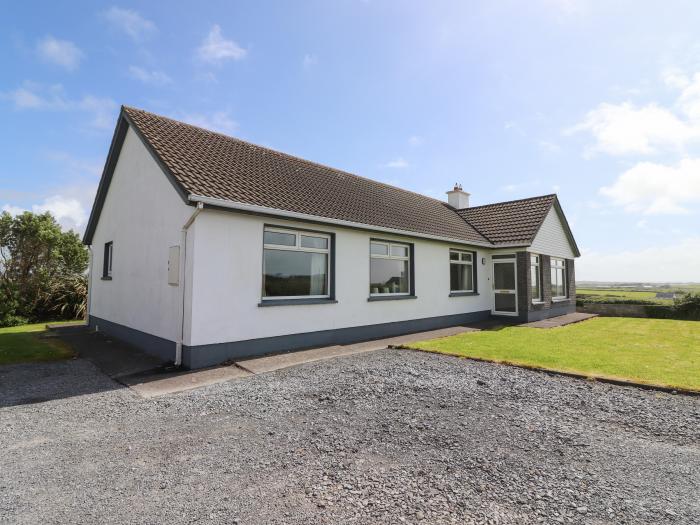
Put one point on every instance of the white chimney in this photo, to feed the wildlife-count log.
(457, 198)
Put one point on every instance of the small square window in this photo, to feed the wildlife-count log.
(309, 241)
(379, 249)
(390, 269)
(280, 238)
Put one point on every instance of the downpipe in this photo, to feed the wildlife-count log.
(183, 280)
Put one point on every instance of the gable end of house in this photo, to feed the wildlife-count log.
(124, 123)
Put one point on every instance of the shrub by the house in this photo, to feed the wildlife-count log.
(42, 270)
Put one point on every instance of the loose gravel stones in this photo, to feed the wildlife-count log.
(384, 437)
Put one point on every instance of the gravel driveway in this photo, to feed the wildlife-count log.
(385, 437)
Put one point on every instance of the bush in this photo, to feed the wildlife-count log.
(42, 269)
(12, 320)
(66, 297)
(687, 306)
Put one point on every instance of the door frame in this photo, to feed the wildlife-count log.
(504, 259)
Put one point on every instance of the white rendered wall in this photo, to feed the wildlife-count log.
(552, 239)
(142, 215)
(227, 281)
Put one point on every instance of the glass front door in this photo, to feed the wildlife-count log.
(504, 288)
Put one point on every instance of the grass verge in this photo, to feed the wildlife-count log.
(22, 344)
(651, 351)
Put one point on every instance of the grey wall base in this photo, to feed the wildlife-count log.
(208, 355)
(563, 308)
(156, 346)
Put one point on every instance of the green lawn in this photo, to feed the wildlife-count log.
(653, 351)
(21, 344)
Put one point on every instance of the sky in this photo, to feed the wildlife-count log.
(596, 101)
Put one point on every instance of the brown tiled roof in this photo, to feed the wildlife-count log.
(213, 165)
(209, 164)
(510, 222)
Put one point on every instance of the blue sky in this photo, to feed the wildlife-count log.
(599, 103)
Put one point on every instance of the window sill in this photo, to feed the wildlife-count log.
(538, 302)
(289, 302)
(106, 278)
(463, 294)
(559, 299)
(390, 297)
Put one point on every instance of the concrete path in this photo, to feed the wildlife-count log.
(115, 358)
(561, 320)
(260, 365)
(150, 377)
(159, 384)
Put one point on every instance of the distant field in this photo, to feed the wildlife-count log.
(639, 287)
(619, 294)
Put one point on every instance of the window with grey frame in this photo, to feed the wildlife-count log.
(389, 268)
(462, 268)
(296, 264)
(558, 275)
(535, 279)
(107, 260)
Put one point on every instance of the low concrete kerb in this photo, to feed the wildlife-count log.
(600, 379)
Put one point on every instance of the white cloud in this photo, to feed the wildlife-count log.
(415, 140)
(12, 210)
(102, 110)
(76, 166)
(309, 60)
(397, 163)
(24, 98)
(130, 22)
(675, 78)
(627, 129)
(53, 98)
(548, 146)
(657, 188)
(679, 264)
(220, 121)
(689, 100)
(67, 211)
(215, 49)
(154, 77)
(59, 52)
(567, 7)
(623, 129)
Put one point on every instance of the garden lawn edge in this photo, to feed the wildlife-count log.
(589, 377)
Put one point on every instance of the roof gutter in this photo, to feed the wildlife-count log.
(264, 210)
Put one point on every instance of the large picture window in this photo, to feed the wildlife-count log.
(461, 271)
(558, 278)
(389, 268)
(295, 264)
(535, 281)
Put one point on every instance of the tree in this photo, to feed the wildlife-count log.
(35, 257)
